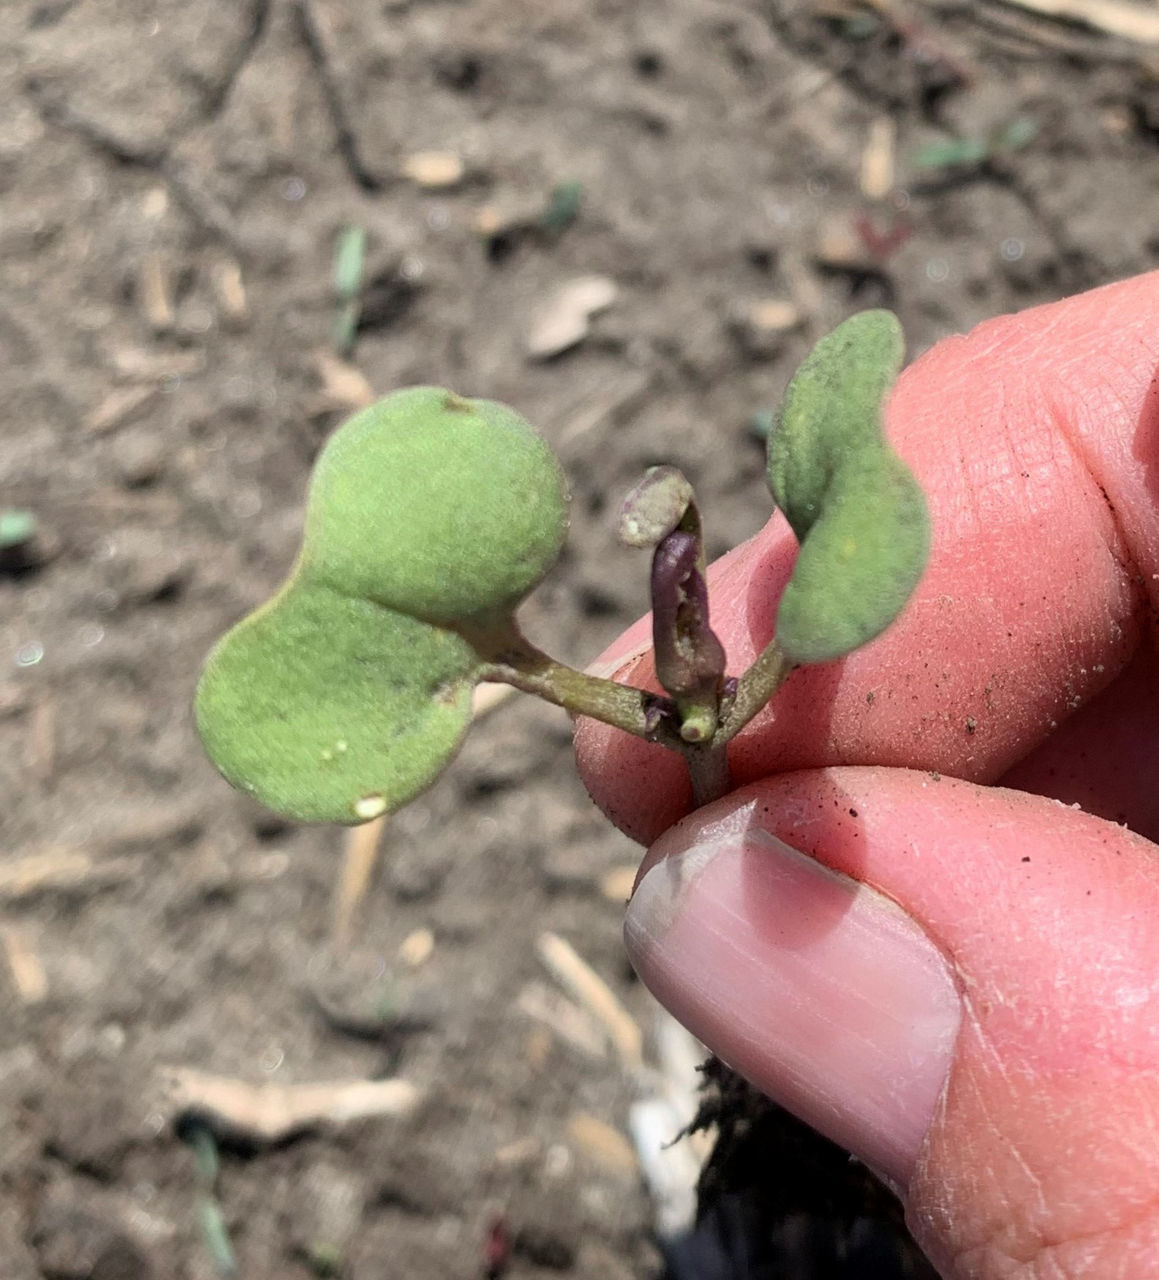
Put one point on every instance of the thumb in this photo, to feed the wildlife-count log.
(964, 995)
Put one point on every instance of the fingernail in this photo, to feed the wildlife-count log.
(820, 991)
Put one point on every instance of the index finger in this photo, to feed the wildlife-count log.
(1036, 440)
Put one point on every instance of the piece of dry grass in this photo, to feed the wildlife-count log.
(40, 741)
(1135, 22)
(603, 1142)
(343, 386)
(155, 292)
(364, 843)
(28, 976)
(434, 170)
(563, 319)
(358, 863)
(229, 289)
(566, 1020)
(117, 408)
(135, 364)
(588, 989)
(878, 159)
(62, 868)
(269, 1112)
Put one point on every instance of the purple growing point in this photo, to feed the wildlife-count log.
(690, 660)
(653, 717)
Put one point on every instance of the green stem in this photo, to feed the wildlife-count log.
(515, 661)
(511, 659)
(620, 705)
(753, 691)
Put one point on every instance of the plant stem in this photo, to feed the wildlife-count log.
(753, 691)
(512, 659)
(708, 770)
(515, 661)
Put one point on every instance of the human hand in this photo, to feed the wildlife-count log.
(971, 1003)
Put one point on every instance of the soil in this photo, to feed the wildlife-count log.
(174, 177)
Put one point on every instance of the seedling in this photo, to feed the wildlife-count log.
(562, 208)
(962, 153)
(349, 263)
(17, 529)
(431, 518)
(22, 545)
(211, 1220)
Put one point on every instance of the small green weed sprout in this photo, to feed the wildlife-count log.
(431, 518)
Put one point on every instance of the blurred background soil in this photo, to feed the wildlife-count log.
(175, 176)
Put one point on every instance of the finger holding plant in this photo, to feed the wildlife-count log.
(431, 518)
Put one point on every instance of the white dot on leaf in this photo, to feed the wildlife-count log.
(370, 806)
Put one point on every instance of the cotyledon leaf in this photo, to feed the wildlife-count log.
(446, 509)
(859, 563)
(430, 516)
(332, 709)
(856, 508)
(831, 411)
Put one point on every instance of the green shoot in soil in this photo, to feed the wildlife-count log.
(963, 153)
(16, 528)
(349, 266)
(210, 1219)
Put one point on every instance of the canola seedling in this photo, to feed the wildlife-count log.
(431, 517)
